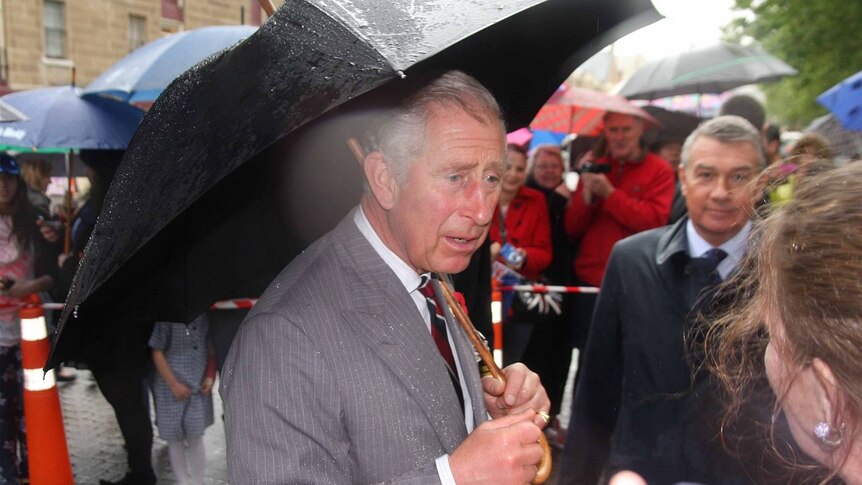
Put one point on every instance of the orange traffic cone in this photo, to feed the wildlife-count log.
(46, 438)
(497, 322)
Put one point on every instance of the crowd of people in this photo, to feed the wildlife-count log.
(662, 389)
(720, 347)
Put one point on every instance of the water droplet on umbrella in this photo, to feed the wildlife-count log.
(75, 312)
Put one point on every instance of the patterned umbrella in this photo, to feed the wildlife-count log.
(580, 111)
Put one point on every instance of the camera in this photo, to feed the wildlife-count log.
(591, 167)
(511, 255)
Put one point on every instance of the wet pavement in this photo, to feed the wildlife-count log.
(96, 446)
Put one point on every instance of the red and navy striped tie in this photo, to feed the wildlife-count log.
(438, 332)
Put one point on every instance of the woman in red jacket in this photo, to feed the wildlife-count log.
(521, 221)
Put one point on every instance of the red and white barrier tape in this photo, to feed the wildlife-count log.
(538, 288)
(247, 303)
(236, 304)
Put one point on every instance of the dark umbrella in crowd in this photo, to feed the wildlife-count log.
(675, 125)
(844, 100)
(236, 168)
(141, 76)
(713, 69)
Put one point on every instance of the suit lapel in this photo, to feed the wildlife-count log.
(384, 316)
(468, 359)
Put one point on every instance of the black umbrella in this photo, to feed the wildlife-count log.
(675, 125)
(713, 69)
(212, 199)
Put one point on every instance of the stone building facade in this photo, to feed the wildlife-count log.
(43, 41)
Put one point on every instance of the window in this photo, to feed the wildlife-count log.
(54, 21)
(137, 31)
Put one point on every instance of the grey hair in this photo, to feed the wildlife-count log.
(551, 148)
(401, 137)
(726, 129)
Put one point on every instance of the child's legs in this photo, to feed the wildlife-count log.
(197, 460)
(177, 457)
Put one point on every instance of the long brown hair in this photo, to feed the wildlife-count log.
(803, 269)
(23, 216)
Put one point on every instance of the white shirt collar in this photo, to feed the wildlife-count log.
(407, 275)
(735, 247)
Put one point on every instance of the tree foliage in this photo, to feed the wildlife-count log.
(820, 38)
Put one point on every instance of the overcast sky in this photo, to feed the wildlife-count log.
(687, 24)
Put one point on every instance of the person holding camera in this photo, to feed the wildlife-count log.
(625, 191)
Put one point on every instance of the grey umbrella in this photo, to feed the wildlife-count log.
(714, 69)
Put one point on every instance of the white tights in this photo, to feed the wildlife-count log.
(196, 460)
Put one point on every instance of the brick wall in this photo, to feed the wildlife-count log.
(97, 34)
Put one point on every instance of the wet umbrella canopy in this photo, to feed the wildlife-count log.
(713, 69)
(844, 100)
(581, 111)
(144, 73)
(58, 119)
(177, 233)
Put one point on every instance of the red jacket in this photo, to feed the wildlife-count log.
(641, 201)
(528, 226)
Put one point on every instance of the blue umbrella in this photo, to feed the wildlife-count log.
(142, 75)
(59, 119)
(9, 113)
(844, 100)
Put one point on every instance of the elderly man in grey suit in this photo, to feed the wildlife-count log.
(335, 375)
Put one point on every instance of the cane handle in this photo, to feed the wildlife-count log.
(544, 469)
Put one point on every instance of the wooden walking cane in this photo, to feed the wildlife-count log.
(544, 470)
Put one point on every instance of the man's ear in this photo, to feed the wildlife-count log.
(829, 393)
(380, 179)
(680, 170)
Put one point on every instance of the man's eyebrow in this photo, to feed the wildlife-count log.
(709, 166)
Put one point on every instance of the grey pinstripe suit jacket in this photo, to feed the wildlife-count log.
(335, 378)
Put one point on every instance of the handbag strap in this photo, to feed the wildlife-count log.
(502, 223)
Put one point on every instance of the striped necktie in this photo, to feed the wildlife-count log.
(438, 332)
